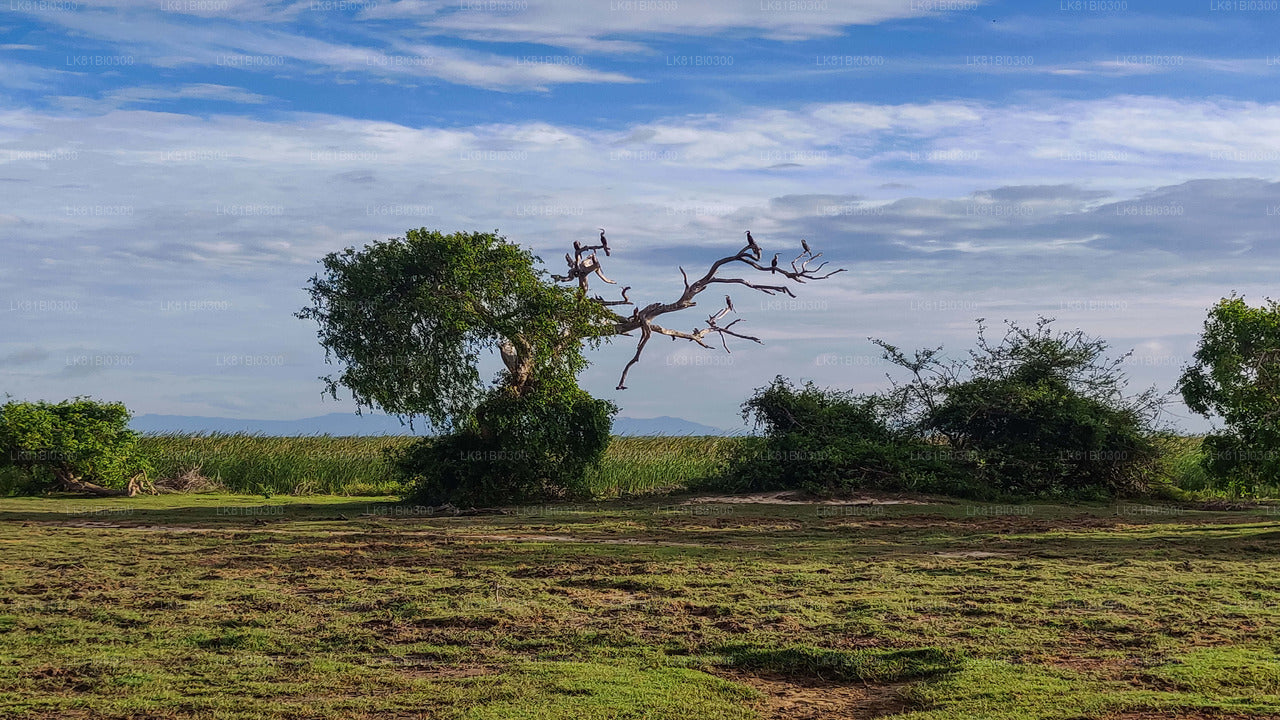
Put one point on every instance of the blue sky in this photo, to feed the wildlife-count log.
(173, 169)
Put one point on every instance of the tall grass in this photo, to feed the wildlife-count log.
(318, 464)
(357, 465)
(1182, 458)
(640, 465)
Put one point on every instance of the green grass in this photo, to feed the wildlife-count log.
(277, 465)
(245, 608)
(1182, 460)
(357, 465)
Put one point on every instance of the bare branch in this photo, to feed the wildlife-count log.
(583, 263)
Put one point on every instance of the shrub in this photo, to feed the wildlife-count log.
(77, 445)
(1035, 414)
(1038, 413)
(825, 441)
(514, 448)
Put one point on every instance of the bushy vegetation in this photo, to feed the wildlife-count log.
(515, 448)
(825, 441)
(1037, 413)
(75, 445)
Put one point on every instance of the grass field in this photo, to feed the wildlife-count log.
(357, 465)
(211, 606)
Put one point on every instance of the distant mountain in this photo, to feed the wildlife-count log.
(352, 424)
(664, 425)
(331, 424)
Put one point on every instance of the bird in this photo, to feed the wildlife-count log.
(774, 265)
(728, 301)
(604, 242)
(805, 245)
(751, 243)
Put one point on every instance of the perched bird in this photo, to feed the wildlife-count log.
(805, 245)
(774, 265)
(728, 301)
(751, 243)
(604, 242)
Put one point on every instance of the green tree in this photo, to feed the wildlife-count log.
(409, 319)
(75, 446)
(1235, 376)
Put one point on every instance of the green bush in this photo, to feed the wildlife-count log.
(75, 445)
(1040, 436)
(534, 447)
(824, 441)
(1036, 414)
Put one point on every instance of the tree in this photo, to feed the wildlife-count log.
(77, 445)
(408, 319)
(1236, 376)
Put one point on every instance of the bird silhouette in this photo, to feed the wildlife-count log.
(774, 265)
(728, 301)
(751, 243)
(805, 245)
(604, 242)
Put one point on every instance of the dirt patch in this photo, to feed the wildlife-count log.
(787, 699)
(791, 497)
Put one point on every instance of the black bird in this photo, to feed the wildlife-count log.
(604, 242)
(751, 243)
(728, 301)
(774, 265)
(805, 245)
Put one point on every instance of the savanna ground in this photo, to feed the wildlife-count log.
(237, 607)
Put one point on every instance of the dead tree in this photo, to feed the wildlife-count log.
(584, 263)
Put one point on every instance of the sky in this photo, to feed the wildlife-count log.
(173, 170)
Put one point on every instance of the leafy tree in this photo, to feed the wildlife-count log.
(76, 446)
(1236, 377)
(409, 319)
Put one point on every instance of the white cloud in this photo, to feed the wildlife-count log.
(1023, 210)
(167, 40)
(606, 25)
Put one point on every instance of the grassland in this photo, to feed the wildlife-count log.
(358, 466)
(211, 606)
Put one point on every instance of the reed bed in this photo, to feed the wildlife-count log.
(326, 465)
